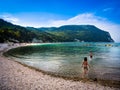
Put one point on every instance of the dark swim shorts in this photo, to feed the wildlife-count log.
(86, 68)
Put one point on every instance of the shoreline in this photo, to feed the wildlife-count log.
(19, 73)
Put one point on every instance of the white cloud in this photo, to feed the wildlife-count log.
(10, 18)
(87, 18)
(107, 9)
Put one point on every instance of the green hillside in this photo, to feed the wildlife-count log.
(15, 33)
(88, 33)
(67, 33)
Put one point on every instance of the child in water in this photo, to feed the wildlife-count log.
(85, 66)
(91, 55)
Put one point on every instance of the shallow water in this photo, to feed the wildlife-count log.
(65, 59)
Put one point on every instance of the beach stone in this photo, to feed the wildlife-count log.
(14, 76)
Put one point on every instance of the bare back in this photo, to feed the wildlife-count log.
(85, 63)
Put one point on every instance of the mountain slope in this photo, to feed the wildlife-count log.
(88, 33)
(67, 33)
(15, 33)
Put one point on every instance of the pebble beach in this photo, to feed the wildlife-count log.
(15, 76)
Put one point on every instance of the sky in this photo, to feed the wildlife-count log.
(104, 14)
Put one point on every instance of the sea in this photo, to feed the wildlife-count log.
(65, 59)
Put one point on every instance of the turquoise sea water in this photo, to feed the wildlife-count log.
(65, 59)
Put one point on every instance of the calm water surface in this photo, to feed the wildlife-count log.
(65, 59)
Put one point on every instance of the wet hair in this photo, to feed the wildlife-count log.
(85, 58)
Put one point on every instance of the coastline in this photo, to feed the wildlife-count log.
(16, 76)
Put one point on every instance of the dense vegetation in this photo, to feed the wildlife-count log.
(67, 33)
(15, 33)
(88, 33)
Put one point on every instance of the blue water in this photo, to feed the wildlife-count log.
(65, 59)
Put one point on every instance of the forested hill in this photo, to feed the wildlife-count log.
(14, 33)
(68, 33)
(88, 33)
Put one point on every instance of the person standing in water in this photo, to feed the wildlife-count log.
(91, 55)
(85, 66)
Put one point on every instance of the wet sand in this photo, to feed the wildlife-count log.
(15, 76)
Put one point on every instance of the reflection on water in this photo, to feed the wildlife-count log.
(65, 59)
